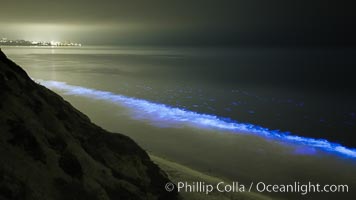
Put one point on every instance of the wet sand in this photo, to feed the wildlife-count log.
(236, 157)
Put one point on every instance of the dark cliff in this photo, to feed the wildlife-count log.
(50, 150)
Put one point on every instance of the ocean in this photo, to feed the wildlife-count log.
(308, 92)
(271, 114)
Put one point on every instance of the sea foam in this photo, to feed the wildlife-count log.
(167, 115)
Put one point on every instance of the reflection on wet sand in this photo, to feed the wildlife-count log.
(239, 157)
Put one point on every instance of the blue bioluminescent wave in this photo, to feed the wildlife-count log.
(164, 113)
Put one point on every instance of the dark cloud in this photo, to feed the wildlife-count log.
(210, 22)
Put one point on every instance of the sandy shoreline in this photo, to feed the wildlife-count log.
(235, 157)
(180, 173)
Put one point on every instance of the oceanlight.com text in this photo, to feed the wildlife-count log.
(295, 187)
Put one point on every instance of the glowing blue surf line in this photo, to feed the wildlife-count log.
(161, 112)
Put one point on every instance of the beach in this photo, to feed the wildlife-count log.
(235, 157)
(121, 99)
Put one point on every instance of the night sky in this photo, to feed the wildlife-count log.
(182, 22)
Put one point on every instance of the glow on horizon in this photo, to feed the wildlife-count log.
(172, 115)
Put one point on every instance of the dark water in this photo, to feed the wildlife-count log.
(259, 86)
(308, 92)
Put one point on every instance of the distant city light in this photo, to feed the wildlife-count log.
(5, 41)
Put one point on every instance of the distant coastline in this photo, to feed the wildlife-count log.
(21, 42)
